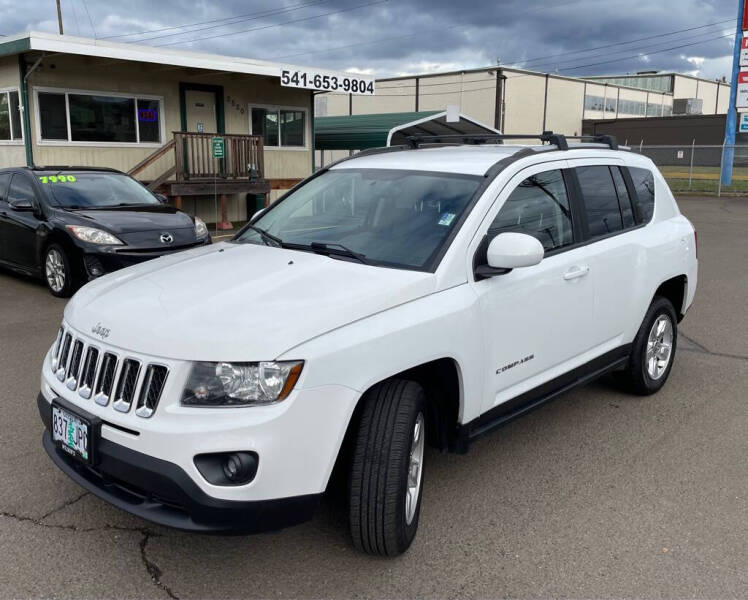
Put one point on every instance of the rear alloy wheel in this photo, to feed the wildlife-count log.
(57, 272)
(653, 350)
(386, 477)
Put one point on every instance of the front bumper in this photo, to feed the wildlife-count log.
(162, 492)
(106, 259)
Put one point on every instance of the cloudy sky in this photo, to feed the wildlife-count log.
(393, 37)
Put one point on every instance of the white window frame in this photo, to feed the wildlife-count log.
(12, 142)
(70, 142)
(307, 126)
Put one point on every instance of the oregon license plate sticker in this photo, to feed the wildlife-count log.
(70, 432)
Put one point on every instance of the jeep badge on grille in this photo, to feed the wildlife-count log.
(101, 331)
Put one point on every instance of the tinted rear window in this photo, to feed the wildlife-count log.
(600, 200)
(645, 194)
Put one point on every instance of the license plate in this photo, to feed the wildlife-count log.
(71, 433)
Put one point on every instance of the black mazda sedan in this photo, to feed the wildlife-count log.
(72, 224)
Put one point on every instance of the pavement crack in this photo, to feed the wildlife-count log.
(63, 506)
(704, 350)
(153, 569)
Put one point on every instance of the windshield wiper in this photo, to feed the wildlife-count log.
(338, 250)
(266, 236)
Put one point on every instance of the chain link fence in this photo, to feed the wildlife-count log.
(697, 169)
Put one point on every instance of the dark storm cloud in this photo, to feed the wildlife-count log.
(399, 36)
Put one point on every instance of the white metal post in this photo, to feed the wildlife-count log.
(690, 172)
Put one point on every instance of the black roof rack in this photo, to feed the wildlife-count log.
(557, 139)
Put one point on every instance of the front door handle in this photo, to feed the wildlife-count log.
(576, 272)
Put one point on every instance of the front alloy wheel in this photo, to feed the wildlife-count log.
(57, 272)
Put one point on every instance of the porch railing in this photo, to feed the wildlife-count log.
(194, 156)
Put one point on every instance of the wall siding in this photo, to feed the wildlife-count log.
(93, 74)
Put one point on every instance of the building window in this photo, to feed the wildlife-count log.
(654, 110)
(593, 102)
(98, 118)
(10, 116)
(279, 127)
(631, 107)
(610, 105)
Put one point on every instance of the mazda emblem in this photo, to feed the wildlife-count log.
(167, 238)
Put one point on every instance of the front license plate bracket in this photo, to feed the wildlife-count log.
(78, 420)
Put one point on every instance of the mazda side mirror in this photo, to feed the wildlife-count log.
(162, 199)
(21, 205)
(509, 251)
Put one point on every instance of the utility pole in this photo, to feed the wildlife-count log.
(59, 16)
(731, 123)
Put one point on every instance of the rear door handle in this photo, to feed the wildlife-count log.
(576, 272)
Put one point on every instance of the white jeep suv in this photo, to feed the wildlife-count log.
(402, 297)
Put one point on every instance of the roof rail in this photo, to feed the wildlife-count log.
(557, 139)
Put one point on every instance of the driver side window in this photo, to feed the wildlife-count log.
(539, 206)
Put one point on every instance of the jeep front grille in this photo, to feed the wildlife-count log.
(150, 393)
(89, 370)
(105, 382)
(64, 353)
(128, 378)
(101, 374)
(71, 381)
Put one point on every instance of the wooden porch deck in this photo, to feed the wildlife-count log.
(196, 173)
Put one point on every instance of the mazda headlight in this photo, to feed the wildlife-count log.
(93, 235)
(240, 384)
(201, 229)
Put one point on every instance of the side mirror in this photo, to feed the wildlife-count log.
(21, 205)
(509, 251)
(162, 199)
(514, 250)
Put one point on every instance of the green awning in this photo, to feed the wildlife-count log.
(359, 132)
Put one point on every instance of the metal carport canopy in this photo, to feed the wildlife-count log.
(359, 132)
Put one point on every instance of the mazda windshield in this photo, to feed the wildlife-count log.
(93, 189)
(375, 216)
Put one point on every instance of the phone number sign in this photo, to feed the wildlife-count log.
(314, 80)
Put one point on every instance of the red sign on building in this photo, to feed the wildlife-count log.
(745, 16)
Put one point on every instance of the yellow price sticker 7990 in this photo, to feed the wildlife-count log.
(58, 179)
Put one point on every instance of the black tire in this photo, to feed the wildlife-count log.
(68, 286)
(636, 378)
(379, 468)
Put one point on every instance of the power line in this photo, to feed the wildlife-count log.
(334, 12)
(234, 20)
(585, 58)
(531, 60)
(90, 20)
(388, 39)
(492, 87)
(639, 48)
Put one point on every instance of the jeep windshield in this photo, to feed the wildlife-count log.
(87, 190)
(376, 216)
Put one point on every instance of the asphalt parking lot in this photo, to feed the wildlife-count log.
(599, 494)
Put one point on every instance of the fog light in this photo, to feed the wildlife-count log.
(227, 468)
(93, 266)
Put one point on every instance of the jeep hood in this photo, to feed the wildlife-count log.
(236, 302)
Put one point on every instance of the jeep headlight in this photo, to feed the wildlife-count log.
(240, 384)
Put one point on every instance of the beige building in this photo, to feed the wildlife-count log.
(76, 101)
(519, 101)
